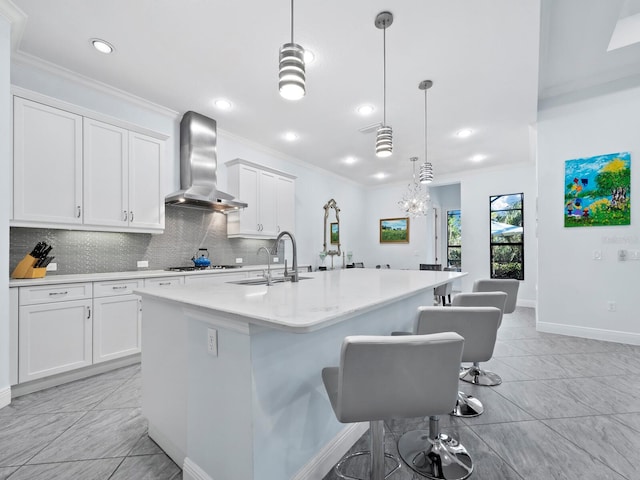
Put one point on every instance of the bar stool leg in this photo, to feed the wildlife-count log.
(435, 455)
(477, 376)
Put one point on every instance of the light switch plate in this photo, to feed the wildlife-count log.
(239, 260)
(143, 263)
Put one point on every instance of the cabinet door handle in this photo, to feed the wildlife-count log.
(164, 283)
(125, 215)
(278, 228)
(58, 293)
(88, 312)
(79, 212)
(119, 287)
(131, 216)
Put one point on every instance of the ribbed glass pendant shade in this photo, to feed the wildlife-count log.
(292, 72)
(384, 141)
(426, 173)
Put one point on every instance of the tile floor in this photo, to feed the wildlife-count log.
(567, 409)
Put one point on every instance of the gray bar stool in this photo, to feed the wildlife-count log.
(475, 374)
(478, 326)
(382, 377)
(507, 285)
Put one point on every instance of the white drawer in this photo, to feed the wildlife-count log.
(115, 287)
(54, 293)
(163, 281)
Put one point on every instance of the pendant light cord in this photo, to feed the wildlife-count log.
(425, 125)
(291, 21)
(384, 76)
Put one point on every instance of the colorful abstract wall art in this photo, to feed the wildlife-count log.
(598, 191)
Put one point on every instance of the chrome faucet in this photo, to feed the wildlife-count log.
(294, 275)
(268, 274)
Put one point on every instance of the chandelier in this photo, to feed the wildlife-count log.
(415, 202)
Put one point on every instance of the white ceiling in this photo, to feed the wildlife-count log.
(482, 56)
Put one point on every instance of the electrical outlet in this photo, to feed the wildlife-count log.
(212, 341)
(597, 254)
(276, 259)
(239, 260)
(52, 267)
(143, 263)
(622, 255)
(611, 306)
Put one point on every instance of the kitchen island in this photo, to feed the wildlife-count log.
(231, 373)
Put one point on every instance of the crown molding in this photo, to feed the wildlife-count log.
(31, 60)
(16, 18)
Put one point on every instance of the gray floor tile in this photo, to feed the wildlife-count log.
(506, 371)
(632, 420)
(127, 395)
(23, 436)
(597, 394)
(6, 471)
(541, 401)
(611, 442)
(516, 333)
(86, 470)
(145, 446)
(147, 467)
(497, 409)
(99, 434)
(507, 349)
(537, 452)
(537, 367)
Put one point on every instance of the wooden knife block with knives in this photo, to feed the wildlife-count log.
(34, 264)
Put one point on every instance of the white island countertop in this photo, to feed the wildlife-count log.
(320, 300)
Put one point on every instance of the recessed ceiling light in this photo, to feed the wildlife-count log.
(350, 160)
(380, 175)
(478, 158)
(464, 133)
(365, 109)
(290, 136)
(102, 46)
(309, 57)
(223, 104)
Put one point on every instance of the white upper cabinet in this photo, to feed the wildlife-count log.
(270, 196)
(80, 173)
(47, 167)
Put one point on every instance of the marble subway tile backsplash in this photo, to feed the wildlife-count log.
(186, 230)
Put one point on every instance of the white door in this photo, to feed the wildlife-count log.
(116, 327)
(106, 176)
(53, 338)
(248, 178)
(146, 203)
(47, 166)
(267, 204)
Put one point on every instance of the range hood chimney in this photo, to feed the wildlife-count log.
(198, 167)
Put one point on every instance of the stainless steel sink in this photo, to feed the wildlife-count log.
(263, 281)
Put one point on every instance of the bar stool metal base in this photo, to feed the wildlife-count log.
(477, 376)
(339, 468)
(467, 406)
(442, 458)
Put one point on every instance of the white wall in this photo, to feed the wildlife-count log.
(475, 190)
(574, 289)
(5, 202)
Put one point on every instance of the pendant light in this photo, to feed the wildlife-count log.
(426, 169)
(415, 202)
(292, 74)
(384, 136)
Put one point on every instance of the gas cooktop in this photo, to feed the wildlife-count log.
(193, 268)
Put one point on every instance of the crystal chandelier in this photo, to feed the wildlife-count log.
(415, 202)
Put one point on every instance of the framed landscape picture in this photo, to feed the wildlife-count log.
(598, 191)
(335, 233)
(394, 230)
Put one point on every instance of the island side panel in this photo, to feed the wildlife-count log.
(293, 419)
(164, 380)
(219, 420)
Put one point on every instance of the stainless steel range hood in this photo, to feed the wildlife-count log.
(198, 167)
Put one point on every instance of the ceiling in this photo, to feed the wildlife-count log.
(483, 57)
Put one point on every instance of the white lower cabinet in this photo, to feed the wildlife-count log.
(116, 320)
(214, 278)
(54, 338)
(116, 327)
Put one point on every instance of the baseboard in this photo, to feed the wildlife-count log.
(587, 332)
(168, 446)
(5, 397)
(318, 467)
(191, 471)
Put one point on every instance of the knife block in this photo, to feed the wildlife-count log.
(26, 269)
